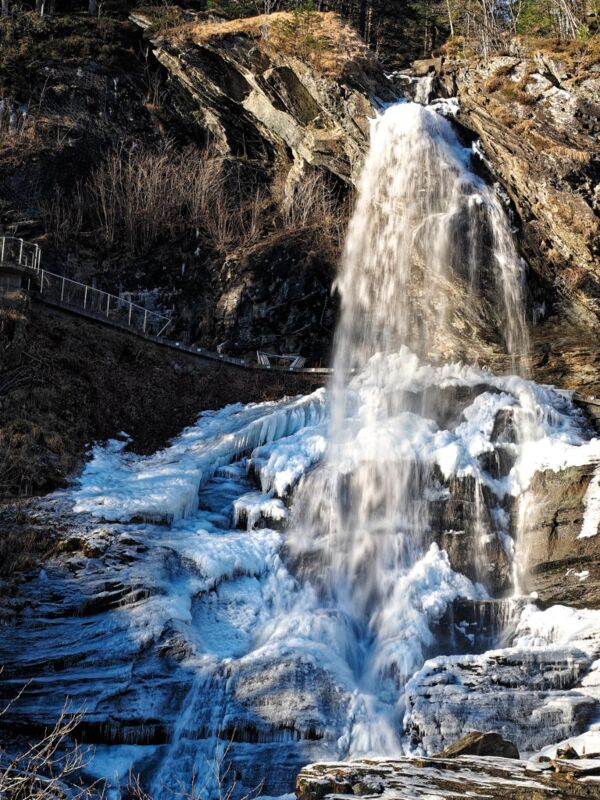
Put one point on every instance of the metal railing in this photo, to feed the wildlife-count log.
(80, 296)
(19, 252)
(92, 302)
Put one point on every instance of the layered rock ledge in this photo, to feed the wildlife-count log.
(444, 778)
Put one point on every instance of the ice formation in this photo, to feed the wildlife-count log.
(335, 636)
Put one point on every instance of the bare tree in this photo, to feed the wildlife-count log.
(45, 7)
(49, 768)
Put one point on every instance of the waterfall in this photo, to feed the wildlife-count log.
(429, 244)
(378, 521)
(424, 222)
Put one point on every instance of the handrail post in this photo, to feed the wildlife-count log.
(130, 310)
(145, 318)
(21, 253)
(107, 304)
(84, 296)
(42, 283)
(62, 290)
(3, 243)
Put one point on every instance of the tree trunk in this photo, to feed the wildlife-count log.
(40, 7)
(5, 8)
(450, 22)
(92, 7)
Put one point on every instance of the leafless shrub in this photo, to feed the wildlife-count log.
(48, 769)
(63, 214)
(311, 204)
(139, 197)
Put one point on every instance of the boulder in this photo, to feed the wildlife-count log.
(477, 743)
(424, 66)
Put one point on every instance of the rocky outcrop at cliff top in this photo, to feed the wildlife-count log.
(538, 121)
(258, 101)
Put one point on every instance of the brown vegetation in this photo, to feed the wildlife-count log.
(577, 56)
(320, 38)
(138, 197)
(511, 90)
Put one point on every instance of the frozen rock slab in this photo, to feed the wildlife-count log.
(528, 695)
(445, 779)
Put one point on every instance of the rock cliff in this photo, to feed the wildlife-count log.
(265, 89)
(536, 116)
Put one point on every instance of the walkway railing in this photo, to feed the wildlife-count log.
(76, 295)
(19, 252)
(91, 302)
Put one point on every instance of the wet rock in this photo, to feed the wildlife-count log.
(481, 744)
(463, 525)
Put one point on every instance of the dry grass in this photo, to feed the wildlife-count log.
(138, 197)
(311, 205)
(577, 56)
(320, 38)
(510, 90)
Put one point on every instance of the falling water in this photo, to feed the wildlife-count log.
(429, 244)
(424, 222)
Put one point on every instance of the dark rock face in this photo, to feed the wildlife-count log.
(481, 744)
(465, 776)
(277, 297)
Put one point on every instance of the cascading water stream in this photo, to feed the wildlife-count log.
(424, 224)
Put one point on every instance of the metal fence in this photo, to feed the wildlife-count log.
(19, 252)
(101, 304)
(80, 296)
